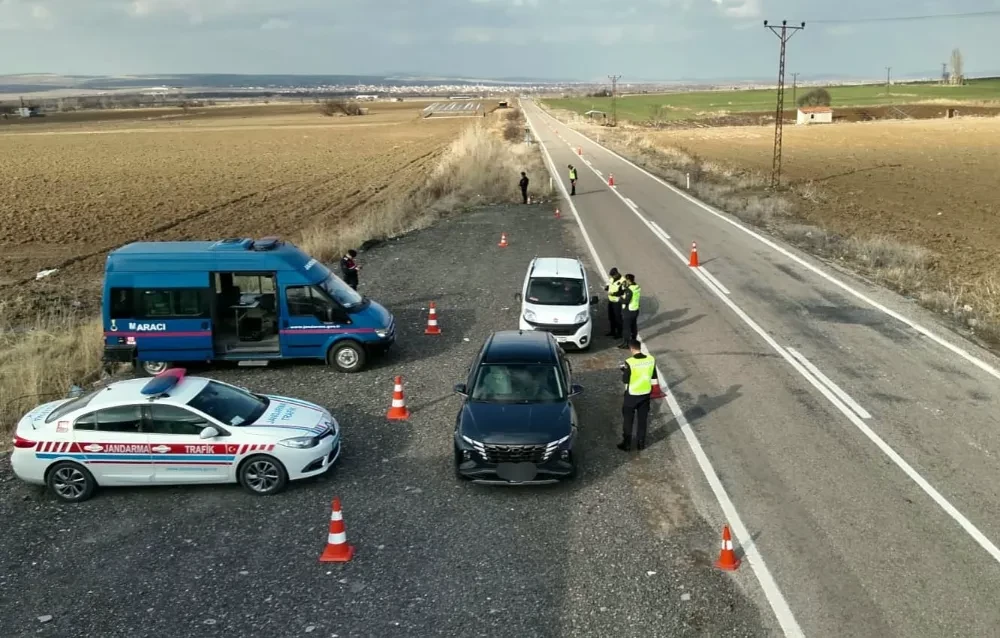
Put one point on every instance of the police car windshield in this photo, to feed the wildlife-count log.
(229, 405)
(518, 383)
(70, 406)
(556, 291)
(341, 292)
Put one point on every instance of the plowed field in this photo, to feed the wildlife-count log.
(72, 192)
(925, 182)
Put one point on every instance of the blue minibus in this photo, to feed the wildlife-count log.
(234, 300)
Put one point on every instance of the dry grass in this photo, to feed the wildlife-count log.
(904, 266)
(41, 361)
(479, 168)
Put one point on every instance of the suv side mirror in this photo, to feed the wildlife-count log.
(575, 389)
(593, 300)
(461, 389)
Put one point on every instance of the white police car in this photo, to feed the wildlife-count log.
(173, 430)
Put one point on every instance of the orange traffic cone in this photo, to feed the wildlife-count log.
(337, 550)
(694, 255)
(727, 557)
(579, 150)
(557, 214)
(432, 322)
(398, 411)
(657, 392)
(503, 240)
(611, 179)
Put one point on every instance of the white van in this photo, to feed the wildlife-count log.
(554, 299)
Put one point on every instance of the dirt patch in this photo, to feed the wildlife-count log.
(73, 193)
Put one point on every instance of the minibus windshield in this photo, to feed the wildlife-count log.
(343, 294)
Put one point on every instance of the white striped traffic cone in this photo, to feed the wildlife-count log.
(337, 550)
(432, 322)
(398, 411)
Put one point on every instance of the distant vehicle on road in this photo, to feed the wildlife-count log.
(554, 299)
(173, 430)
(239, 300)
(517, 424)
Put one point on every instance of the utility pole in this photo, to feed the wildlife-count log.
(614, 98)
(888, 76)
(784, 34)
(795, 79)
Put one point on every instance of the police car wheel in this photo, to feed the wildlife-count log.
(263, 475)
(348, 356)
(153, 368)
(70, 482)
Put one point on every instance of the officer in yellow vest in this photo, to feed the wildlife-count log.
(630, 295)
(615, 283)
(572, 179)
(638, 373)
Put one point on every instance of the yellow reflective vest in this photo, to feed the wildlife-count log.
(641, 375)
(614, 285)
(633, 304)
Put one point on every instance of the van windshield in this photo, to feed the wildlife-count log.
(556, 291)
(341, 292)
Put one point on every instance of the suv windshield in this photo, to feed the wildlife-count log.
(518, 383)
(556, 291)
(229, 405)
(341, 292)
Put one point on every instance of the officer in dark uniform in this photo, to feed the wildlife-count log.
(638, 373)
(524, 187)
(630, 295)
(349, 269)
(615, 283)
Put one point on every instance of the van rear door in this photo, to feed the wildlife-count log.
(171, 317)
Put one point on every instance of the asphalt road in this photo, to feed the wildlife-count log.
(873, 504)
(623, 551)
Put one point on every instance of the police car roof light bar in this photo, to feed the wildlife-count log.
(163, 382)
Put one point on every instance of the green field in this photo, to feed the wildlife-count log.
(696, 104)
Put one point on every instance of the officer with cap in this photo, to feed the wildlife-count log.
(630, 295)
(638, 373)
(615, 283)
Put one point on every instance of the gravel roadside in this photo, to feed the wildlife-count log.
(621, 551)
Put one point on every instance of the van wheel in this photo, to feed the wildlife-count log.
(346, 356)
(153, 368)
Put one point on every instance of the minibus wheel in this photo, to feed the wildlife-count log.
(346, 356)
(153, 368)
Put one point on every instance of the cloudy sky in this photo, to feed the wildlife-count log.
(569, 39)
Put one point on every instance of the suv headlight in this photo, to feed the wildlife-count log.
(299, 442)
(582, 317)
(529, 315)
(555, 445)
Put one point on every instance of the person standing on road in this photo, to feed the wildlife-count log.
(349, 269)
(524, 187)
(572, 179)
(638, 373)
(630, 310)
(615, 283)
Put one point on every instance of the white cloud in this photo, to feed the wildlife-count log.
(274, 24)
(739, 8)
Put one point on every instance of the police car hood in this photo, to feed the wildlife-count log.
(297, 417)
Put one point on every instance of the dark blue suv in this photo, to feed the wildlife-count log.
(517, 424)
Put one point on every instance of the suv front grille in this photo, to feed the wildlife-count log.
(515, 453)
(557, 329)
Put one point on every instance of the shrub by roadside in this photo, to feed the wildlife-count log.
(41, 361)
(912, 270)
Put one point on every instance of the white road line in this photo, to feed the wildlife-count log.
(655, 226)
(936, 496)
(595, 170)
(846, 398)
(713, 279)
(783, 613)
(630, 203)
(969, 357)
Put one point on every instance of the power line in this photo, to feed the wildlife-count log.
(936, 16)
(784, 33)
